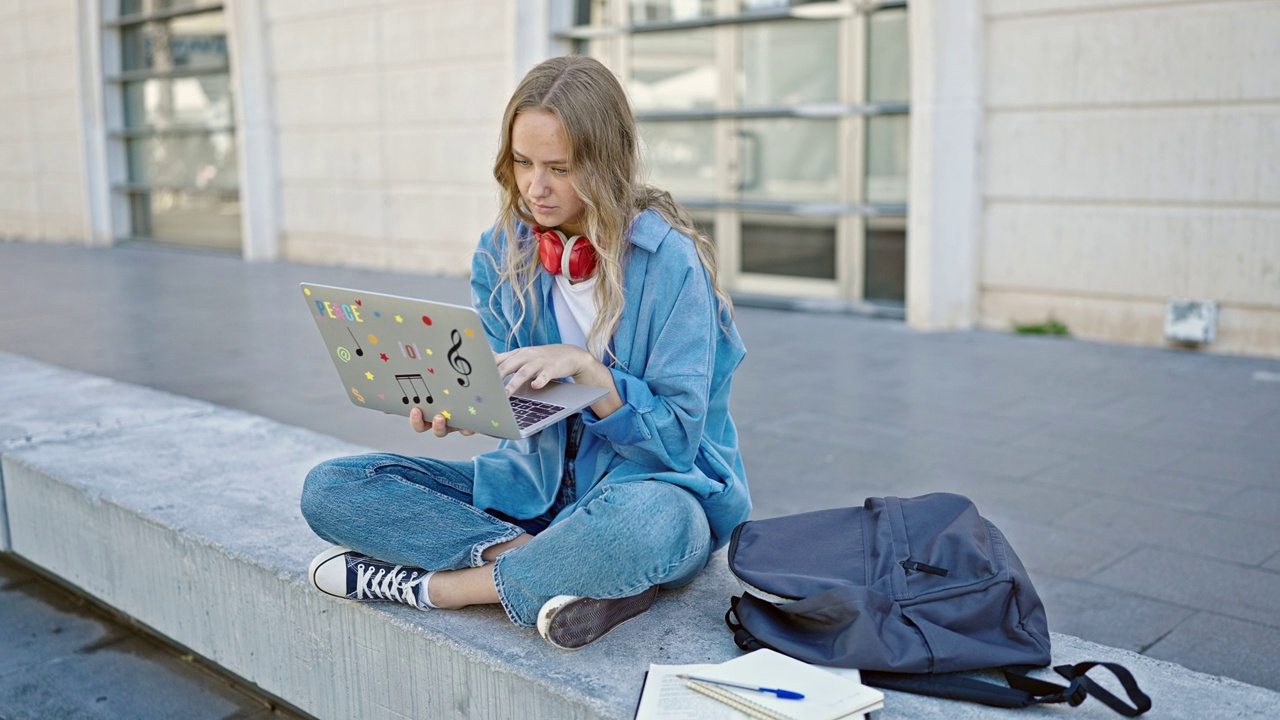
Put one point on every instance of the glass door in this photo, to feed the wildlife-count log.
(782, 125)
(173, 123)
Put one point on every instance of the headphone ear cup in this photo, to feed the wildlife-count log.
(550, 250)
(582, 259)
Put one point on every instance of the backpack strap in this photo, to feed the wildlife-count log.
(1023, 691)
(741, 636)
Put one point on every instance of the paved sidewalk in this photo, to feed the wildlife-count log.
(65, 657)
(1141, 487)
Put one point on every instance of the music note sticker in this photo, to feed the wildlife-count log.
(460, 364)
(359, 350)
(413, 387)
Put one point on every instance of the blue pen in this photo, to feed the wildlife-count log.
(784, 694)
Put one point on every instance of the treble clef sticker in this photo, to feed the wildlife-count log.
(460, 365)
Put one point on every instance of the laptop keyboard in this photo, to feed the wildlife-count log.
(529, 411)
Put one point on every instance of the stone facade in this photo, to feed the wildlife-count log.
(1132, 156)
(41, 131)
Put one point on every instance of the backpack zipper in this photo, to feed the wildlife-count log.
(910, 564)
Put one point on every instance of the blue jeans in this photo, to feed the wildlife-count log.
(417, 511)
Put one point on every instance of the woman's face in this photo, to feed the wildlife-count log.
(540, 156)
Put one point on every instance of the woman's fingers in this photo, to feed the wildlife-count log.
(417, 422)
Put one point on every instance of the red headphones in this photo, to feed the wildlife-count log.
(576, 263)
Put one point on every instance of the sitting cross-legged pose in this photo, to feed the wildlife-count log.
(593, 276)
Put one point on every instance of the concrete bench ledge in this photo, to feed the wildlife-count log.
(184, 516)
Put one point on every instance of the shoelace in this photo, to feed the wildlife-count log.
(375, 581)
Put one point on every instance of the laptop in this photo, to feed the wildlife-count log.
(396, 353)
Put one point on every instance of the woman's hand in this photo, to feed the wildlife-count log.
(540, 364)
(438, 424)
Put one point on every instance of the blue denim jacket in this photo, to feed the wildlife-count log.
(673, 371)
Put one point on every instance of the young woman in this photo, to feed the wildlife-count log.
(590, 275)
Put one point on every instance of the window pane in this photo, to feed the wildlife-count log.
(204, 219)
(789, 159)
(888, 73)
(789, 63)
(184, 161)
(886, 265)
(135, 7)
(681, 157)
(789, 248)
(749, 5)
(649, 11)
(887, 159)
(199, 101)
(191, 41)
(673, 70)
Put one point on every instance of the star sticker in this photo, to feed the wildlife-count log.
(399, 319)
(369, 375)
(446, 414)
(359, 303)
(471, 409)
(384, 357)
(446, 391)
(430, 352)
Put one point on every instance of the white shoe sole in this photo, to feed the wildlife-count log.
(321, 559)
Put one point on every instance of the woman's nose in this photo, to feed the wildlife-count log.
(538, 186)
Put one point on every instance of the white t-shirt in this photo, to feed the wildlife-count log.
(575, 306)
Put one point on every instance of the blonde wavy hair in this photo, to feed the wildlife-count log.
(604, 166)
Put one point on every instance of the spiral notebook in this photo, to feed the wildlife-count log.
(830, 693)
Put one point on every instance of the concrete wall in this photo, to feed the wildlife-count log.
(42, 194)
(388, 116)
(1132, 155)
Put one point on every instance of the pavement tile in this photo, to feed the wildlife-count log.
(1237, 467)
(1134, 521)
(1119, 619)
(131, 680)
(1055, 551)
(41, 622)
(1186, 428)
(1161, 487)
(1244, 593)
(1252, 504)
(1004, 501)
(1220, 645)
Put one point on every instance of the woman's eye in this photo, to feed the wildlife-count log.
(523, 163)
(561, 171)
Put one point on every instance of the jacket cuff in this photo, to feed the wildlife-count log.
(624, 426)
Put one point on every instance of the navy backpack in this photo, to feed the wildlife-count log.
(909, 591)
